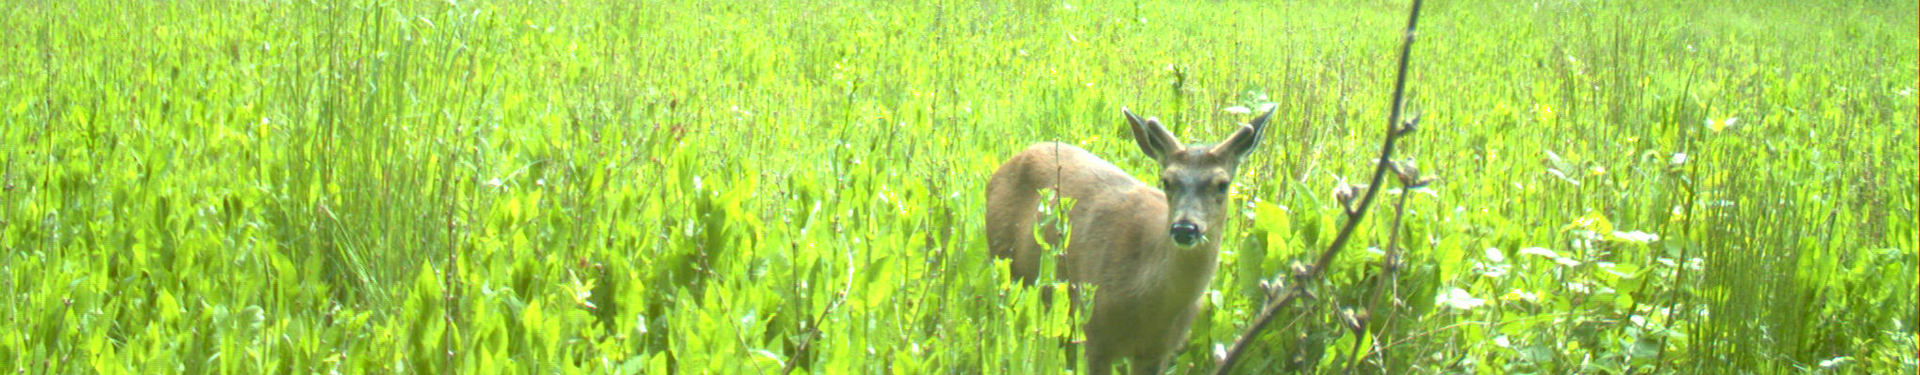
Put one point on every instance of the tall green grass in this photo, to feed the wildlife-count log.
(599, 186)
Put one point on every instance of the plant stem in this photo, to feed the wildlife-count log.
(1393, 133)
(1389, 278)
(813, 323)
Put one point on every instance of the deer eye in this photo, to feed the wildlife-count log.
(1221, 186)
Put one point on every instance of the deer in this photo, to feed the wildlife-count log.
(1149, 252)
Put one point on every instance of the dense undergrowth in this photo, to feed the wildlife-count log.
(709, 186)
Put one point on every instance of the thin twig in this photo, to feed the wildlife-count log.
(1403, 340)
(1393, 133)
(1059, 255)
(1679, 272)
(1390, 275)
(1491, 325)
(449, 274)
(813, 323)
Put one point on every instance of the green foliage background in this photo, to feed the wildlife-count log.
(622, 187)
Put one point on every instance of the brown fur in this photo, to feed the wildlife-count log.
(1147, 286)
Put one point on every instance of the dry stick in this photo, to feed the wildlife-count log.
(1390, 275)
(1495, 324)
(1380, 350)
(1394, 131)
(1393, 282)
(813, 323)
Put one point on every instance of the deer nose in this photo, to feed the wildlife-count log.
(1185, 233)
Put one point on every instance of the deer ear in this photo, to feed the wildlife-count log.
(1242, 141)
(1154, 140)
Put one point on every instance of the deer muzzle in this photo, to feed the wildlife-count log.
(1186, 234)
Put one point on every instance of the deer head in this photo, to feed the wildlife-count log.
(1195, 178)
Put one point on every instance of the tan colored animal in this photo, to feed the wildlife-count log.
(1149, 252)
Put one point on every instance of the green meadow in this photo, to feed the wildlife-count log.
(655, 187)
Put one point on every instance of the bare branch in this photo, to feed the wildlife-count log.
(1393, 132)
(813, 323)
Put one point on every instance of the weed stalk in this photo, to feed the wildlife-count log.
(1388, 281)
(1395, 129)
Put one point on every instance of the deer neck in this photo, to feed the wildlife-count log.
(1189, 269)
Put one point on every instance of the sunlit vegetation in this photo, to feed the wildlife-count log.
(748, 187)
